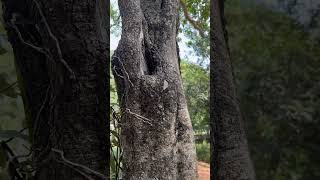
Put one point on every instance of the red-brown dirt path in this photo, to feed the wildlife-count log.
(203, 171)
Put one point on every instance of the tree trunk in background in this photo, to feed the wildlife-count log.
(157, 136)
(61, 55)
(230, 159)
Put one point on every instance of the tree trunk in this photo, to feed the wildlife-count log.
(157, 136)
(229, 147)
(61, 55)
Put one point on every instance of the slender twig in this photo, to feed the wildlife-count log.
(13, 24)
(124, 69)
(116, 72)
(10, 86)
(144, 119)
(12, 165)
(51, 35)
(10, 139)
(78, 165)
(54, 39)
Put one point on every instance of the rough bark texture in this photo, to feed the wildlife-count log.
(229, 153)
(157, 136)
(61, 54)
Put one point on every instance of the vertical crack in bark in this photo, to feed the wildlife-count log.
(161, 5)
(152, 57)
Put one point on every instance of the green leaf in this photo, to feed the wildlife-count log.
(115, 143)
(114, 133)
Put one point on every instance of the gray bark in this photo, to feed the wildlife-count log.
(157, 136)
(229, 147)
(61, 55)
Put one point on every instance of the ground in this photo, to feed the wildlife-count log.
(203, 171)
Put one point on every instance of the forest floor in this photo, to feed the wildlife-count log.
(203, 171)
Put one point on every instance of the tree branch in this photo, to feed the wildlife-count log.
(98, 174)
(8, 87)
(194, 23)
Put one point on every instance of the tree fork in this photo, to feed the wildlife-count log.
(157, 136)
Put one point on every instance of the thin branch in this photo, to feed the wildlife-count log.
(51, 35)
(144, 119)
(116, 72)
(10, 139)
(12, 165)
(13, 24)
(10, 86)
(78, 165)
(124, 69)
(54, 39)
(194, 23)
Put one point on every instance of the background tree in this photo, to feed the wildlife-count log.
(276, 65)
(230, 157)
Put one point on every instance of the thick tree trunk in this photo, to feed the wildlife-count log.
(61, 54)
(157, 136)
(230, 154)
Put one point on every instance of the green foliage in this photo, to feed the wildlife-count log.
(196, 87)
(115, 20)
(115, 117)
(199, 11)
(203, 151)
(116, 150)
(276, 69)
(12, 111)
